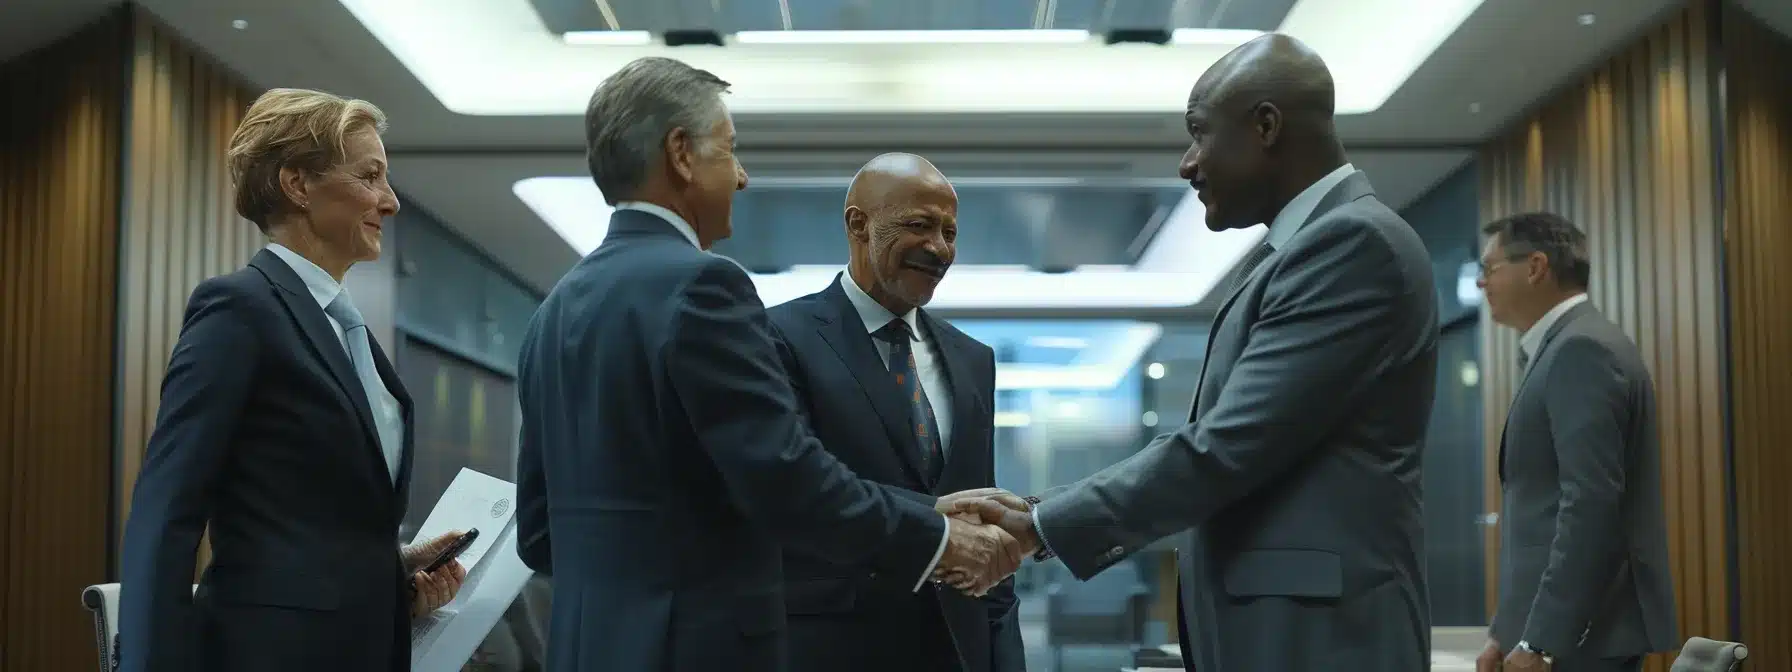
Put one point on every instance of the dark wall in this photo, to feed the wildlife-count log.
(1446, 218)
(458, 325)
(456, 298)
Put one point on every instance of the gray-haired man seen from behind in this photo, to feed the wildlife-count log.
(1583, 581)
(662, 461)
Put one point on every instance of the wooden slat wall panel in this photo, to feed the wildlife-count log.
(1759, 228)
(180, 223)
(59, 149)
(1630, 155)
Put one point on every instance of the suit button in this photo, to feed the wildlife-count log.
(1115, 553)
(872, 575)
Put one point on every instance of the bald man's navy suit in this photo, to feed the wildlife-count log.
(852, 617)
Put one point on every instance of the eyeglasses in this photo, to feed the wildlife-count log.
(1489, 267)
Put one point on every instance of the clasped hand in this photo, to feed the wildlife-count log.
(990, 532)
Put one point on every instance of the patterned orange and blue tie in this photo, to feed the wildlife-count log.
(908, 379)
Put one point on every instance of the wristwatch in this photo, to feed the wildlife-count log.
(1526, 647)
(1045, 552)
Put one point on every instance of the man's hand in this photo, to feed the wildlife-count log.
(418, 555)
(978, 556)
(1525, 661)
(434, 589)
(1489, 660)
(949, 504)
(1018, 532)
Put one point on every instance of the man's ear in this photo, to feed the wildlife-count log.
(1268, 120)
(1536, 267)
(295, 186)
(681, 154)
(858, 223)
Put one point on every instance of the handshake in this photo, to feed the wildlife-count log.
(989, 533)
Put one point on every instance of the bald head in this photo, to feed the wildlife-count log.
(892, 177)
(1260, 121)
(1275, 69)
(901, 229)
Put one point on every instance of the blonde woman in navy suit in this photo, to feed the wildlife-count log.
(284, 428)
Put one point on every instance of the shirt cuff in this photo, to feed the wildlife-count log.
(928, 573)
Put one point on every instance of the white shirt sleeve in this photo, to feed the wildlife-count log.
(944, 535)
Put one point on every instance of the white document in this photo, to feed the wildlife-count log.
(495, 573)
(472, 501)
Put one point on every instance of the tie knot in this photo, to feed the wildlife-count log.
(343, 309)
(896, 332)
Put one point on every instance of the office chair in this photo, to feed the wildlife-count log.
(102, 600)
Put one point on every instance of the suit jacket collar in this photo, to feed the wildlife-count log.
(315, 327)
(664, 213)
(1304, 206)
(638, 223)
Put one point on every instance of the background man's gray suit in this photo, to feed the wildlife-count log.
(1583, 548)
(1300, 465)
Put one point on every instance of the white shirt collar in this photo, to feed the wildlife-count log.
(664, 213)
(1300, 208)
(874, 314)
(323, 287)
(1533, 337)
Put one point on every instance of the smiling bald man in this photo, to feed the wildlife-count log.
(904, 399)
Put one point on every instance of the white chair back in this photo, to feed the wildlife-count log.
(102, 600)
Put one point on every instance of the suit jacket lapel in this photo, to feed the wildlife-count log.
(956, 362)
(844, 331)
(1352, 187)
(325, 344)
(1571, 315)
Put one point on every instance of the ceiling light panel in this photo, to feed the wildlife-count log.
(1177, 269)
(494, 57)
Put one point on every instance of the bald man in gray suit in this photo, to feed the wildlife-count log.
(1299, 466)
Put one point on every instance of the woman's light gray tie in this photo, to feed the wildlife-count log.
(380, 401)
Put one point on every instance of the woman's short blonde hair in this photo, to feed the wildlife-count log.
(296, 128)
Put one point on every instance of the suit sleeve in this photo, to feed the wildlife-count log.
(793, 368)
(210, 374)
(533, 544)
(724, 367)
(1589, 444)
(1329, 314)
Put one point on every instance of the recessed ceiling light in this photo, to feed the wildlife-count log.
(1177, 268)
(1587, 19)
(494, 58)
(1474, 108)
(1155, 370)
(239, 24)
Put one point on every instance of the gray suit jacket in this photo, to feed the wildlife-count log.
(1299, 467)
(1583, 542)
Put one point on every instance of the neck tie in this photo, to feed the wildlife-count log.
(380, 401)
(908, 379)
(1249, 263)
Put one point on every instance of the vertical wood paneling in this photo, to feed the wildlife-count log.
(179, 214)
(1630, 156)
(59, 149)
(1758, 213)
